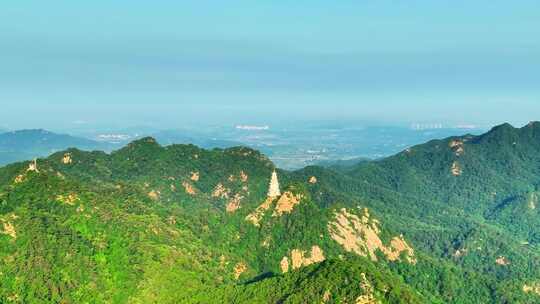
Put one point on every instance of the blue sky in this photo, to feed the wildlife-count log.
(175, 62)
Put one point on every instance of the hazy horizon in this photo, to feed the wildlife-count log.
(174, 64)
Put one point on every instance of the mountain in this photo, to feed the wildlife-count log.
(342, 164)
(170, 137)
(450, 221)
(28, 144)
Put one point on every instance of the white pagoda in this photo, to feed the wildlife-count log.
(273, 189)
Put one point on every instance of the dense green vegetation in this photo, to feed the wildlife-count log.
(147, 224)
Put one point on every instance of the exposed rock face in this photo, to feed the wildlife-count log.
(397, 246)
(367, 297)
(286, 203)
(220, 191)
(256, 216)
(460, 252)
(243, 176)
(503, 261)
(9, 229)
(300, 258)
(457, 146)
(456, 169)
(266, 242)
(273, 189)
(284, 264)
(68, 199)
(533, 201)
(532, 288)
(19, 179)
(361, 236)
(313, 180)
(189, 188)
(66, 160)
(326, 296)
(32, 167)
(239, 268)
(195, 176)
(154, 195)
(234, 203)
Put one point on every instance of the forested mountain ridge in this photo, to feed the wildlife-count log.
(180, 224)
(504, 157)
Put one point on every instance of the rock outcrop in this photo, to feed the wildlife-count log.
(286, 203)
(154, 195)
(195, 176)
(300, 258)
(457, 146)
(68, 199)
(360, 235)
(533, 288)
(234, 203)
(256, 216)
(456, 169)
(220, 191)
(67, 159)
(189, 188)
(9, 229)
(368, 296)
(239, 268)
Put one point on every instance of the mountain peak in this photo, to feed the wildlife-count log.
(31, 131)
(505, 127)
(145, 141)
(532, 125)
(500, 132)
(141, 146)
(508, 132)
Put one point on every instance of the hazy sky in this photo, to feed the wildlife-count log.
(174, 62)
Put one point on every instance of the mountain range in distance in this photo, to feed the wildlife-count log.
(291, 148)
(453, 220)
(29, 144)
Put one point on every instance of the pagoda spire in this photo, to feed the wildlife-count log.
(33, 166)
(273, 189)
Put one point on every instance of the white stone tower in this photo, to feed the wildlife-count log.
(33, 166)
(273, 189)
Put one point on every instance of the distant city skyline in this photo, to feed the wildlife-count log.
(169, 64)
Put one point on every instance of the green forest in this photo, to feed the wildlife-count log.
(449, 221)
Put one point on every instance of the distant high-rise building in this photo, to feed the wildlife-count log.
(426, 126)
(273, 189)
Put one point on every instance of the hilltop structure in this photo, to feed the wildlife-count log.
(33, 166)
(273, 189)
